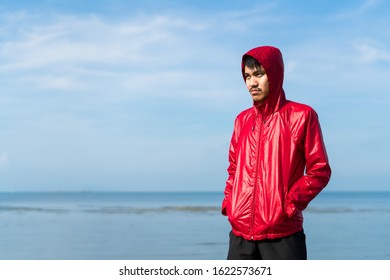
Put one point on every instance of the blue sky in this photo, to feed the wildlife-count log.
(116, 95)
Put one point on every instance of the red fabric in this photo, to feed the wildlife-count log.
(278, 161)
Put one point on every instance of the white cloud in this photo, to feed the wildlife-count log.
(52, 82)
(357, 11)
(123, 57)
(371, 51)
(69, 40)
(247, 18)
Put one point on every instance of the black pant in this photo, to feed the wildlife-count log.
(292, 247)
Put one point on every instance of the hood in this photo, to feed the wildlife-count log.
(272, 61)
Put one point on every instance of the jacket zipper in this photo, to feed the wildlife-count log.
(257, 171)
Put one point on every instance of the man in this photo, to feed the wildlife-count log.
(278, 164)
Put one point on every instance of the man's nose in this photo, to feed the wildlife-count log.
(253, 82)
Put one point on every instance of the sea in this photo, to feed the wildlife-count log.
(176, 226)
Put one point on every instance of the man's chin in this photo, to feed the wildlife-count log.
(258, 100)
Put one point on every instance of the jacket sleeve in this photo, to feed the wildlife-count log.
(317, 167)
(231, 170)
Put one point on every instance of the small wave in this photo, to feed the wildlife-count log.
(191, 208)
(137, 210)
(30, 209)
(346, 210)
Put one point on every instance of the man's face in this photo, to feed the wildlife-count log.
(257, 83)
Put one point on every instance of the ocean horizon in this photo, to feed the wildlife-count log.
(175, 225)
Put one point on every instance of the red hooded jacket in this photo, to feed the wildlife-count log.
(278, 161)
